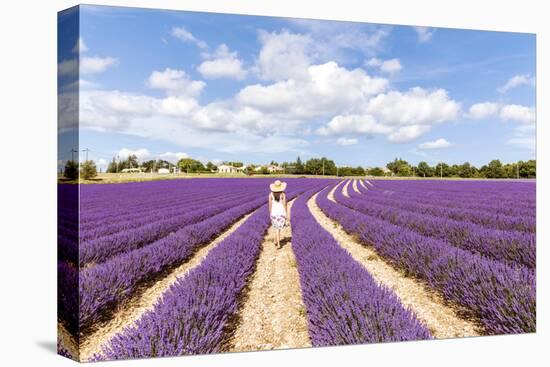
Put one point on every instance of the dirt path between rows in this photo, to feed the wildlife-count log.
(355, 188)
(428, 306)
(362, 183)
(67, 341)
(133, 311)
(273, 315)
(331, 192)
(346, 188)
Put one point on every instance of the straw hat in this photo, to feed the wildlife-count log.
(278, 186)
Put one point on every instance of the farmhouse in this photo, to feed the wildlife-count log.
(229, 169)
(275, 169)
(271, 168)
(386, 171)
(163, 171)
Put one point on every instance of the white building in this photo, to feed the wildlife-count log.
(163, 171)
(271, 168)
(229, 169)
(275, 169)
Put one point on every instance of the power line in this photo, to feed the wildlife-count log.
(86, 150)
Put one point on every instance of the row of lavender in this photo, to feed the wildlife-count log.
(501, 296)
(138, 255)
(493, 196)
(487, 188)
(510, 246)
(194, 314)
(137, 223)
(116, 265)
(344, 303)
(453, 206)
(135, 233)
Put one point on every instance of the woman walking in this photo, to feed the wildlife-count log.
(278, 209)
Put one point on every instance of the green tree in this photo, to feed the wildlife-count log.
(71, 170)
(351, 171)
(376, 171)
(211, 166)
(466, 170)
(88, 169)
(400, 167)
(233, 164)
(130, 162)
(424, 170)
(154, 165)
(495, 169)
(510, 170)
(190, 165)
(442, 169)
(528, 169)
(299, 166)
(315, 166)
(453, 170)
(113, 166)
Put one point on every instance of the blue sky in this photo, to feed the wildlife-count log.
(229, 87)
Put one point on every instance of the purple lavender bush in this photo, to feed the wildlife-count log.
(344, 303)
(501, 297)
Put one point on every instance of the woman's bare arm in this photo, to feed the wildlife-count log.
(286, 208)
(269, 202)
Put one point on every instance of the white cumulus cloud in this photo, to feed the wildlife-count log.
(323, 90)
(141, 154)
(483, 110)
(284, 55)
(424, 33)
(518, 113)
(391, 66)
(354, 124)
(175, 82)
(417, 106)
(510, 112)
(222, 64)
(173, 157)
(516, 81)
(401, 116)
(80, 46)
(184, 35)
(95, 65)
(346, 141)
(67, 67)
(436, 144)
(405, 134)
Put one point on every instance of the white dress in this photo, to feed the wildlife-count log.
(278, 213)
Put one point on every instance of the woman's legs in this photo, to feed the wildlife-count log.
(278, 238)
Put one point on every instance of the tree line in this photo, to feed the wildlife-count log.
(493, 169)
(320, 166)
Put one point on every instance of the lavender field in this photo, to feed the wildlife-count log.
(183, 267)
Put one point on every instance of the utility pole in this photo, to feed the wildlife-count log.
(441, 169)
(517, 169)
(118, 163)
(86, 150)
(323, 166)
(336, 170)
(73, 151)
